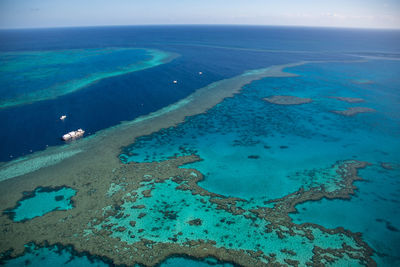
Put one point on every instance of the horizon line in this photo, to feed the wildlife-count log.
(198, 24)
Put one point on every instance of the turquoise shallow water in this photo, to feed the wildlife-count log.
(372, 211)
(171, 215)
(261, 151)
(42, 201)
(59, 256)
(284, 139)
(52, 256)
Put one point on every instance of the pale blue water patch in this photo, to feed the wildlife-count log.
(373, 211)
(26, 77)
(42, 201)
(52, 256)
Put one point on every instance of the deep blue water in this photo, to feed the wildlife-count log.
(131, 95)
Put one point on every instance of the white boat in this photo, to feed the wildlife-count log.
(175, 81)
(200, 73)
(73, 135)
(63, 117)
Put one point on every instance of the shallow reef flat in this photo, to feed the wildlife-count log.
(287, 100)
(390, 166)
(149, 211)
(362, 81)
(348, 99)
(354, 111)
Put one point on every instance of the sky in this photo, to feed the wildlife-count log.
(329, 13)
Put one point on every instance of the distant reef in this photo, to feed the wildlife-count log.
(348, 99)
(287, 100)
(354, 111)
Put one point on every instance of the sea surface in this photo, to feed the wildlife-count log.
(251, 149)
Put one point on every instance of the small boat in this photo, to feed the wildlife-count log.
(63, 117)
(73, 135)
(175, 81)
(200, 72)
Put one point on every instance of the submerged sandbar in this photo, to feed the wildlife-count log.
(348, 99)
(362, 81)
(354, 111)
(287, 100)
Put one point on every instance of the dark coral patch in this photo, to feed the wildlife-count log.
(59, 198)
(196, 222)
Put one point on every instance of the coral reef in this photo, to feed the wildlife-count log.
(287, 100)
(354, 111)
(159, 210)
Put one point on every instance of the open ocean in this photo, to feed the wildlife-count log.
(249, 148)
